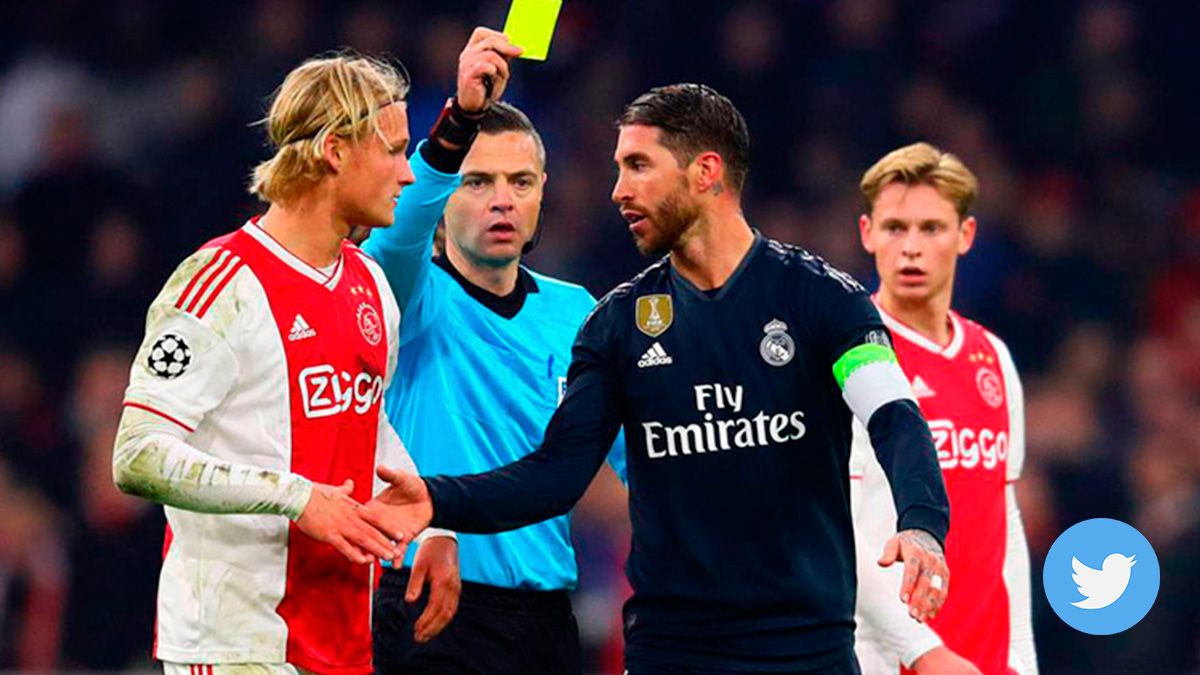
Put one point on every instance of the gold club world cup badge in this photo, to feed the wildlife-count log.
(655, 314)
(777, 347)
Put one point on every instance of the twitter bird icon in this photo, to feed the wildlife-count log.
(1101, 588)
(1109, 598)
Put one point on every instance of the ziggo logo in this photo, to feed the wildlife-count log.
(967, 448)
(325, 392)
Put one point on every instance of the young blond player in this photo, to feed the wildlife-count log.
(917, 225)
(253, 412)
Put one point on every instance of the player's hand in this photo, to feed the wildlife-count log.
(942, 661)
(485, 57)
(435, 565)
(333, 517)
(402, 509)
(926, 577)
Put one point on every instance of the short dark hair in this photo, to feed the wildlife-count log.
(695, 118)
(501, 117)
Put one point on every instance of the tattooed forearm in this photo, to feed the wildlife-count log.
(922, 539)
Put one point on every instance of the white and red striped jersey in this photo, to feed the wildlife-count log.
(274, 370)
(970, 394)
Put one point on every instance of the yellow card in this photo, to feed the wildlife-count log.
(530, 26)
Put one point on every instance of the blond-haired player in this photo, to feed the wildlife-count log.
(253, 411)
(917, 224)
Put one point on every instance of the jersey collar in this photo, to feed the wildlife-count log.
(329, 281)
(910, 334)
(506, 306)
(718, 293)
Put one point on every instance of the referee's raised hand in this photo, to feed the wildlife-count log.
(483, 69)
(402, 509)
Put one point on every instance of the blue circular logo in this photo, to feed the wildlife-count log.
(1101, 576)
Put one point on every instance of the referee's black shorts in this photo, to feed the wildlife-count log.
(496, 631)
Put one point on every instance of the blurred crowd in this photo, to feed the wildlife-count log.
(128, 137)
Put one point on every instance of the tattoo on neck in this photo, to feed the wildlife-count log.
(717, 188)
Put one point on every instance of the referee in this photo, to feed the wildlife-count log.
(735, 364)
(485, 345)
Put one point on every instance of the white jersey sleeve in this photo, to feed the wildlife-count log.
(1022, 654)
(886, 635)
(183, 371)
(390, 449)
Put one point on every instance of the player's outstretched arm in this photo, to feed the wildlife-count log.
(877, 393)
(152, 460)
(543, 484)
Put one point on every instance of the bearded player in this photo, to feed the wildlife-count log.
(964, 380)
(734, 364)
(253, 412)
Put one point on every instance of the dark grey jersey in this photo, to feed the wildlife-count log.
(738, 441)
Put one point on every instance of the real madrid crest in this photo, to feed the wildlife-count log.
(777, 347)
(655, 314)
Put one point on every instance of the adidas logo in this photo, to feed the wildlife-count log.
(300, 330)
(655, 356)
(920, 389)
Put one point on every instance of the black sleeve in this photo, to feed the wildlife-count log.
(906, 452)
(840, 312)
(845, 318)
(547, 482)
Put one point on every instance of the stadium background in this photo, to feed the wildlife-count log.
(127, 140)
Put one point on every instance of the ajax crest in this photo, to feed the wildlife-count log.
(777, 348)
(990, 387)
(369, 324)
(655, 314)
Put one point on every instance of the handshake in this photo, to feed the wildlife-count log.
(381, 529)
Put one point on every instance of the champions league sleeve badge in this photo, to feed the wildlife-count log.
(169, 356)
(777, 347)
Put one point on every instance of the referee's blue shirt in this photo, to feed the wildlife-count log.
(473, 390)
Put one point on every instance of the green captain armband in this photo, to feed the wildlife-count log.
(870, 377)
(860, 356)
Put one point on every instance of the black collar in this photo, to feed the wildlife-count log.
(506, 306)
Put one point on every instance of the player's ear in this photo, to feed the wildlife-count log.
(966, 235)
(333, 149)
(709, 171)
(864, 233)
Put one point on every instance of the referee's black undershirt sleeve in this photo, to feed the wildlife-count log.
(906, 452)
(547, 482)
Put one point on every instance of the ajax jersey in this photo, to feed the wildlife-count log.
(265, 360)
(965, 391)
